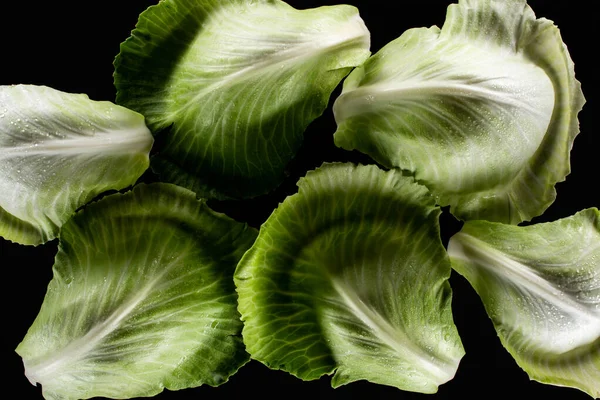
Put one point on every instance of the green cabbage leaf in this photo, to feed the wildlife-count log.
(540, 285)
(142, 299)
(229, 86)
(350, 275)
(483, 111)
(57, 152)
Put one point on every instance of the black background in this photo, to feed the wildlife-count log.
(71, 47)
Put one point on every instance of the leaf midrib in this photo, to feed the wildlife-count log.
(106, 145)
(393, 338)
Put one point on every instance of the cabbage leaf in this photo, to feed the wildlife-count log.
(483, 111)
(229, 86)
(142, 299)
(57, 152)
(350, 275)
(540, 285)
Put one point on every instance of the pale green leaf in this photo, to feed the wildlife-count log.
(229, 86)
(540, 285)
(483, 111)
(57, 152)
(349, 275)
(142, 299)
